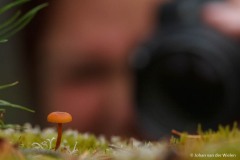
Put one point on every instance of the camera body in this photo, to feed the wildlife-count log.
(187, 74)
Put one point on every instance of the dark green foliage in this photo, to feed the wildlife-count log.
(18, 20)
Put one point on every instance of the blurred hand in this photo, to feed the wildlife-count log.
(224, 16)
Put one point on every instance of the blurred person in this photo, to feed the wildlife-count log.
(82, 52)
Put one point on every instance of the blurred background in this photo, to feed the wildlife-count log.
(13, 68)
(131, 68)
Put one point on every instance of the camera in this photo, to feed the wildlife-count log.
(187, 74)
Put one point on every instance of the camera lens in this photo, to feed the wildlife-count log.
(187, 77)
(192, 84)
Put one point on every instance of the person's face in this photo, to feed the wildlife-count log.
(85, 50)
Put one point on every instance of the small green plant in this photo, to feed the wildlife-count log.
(18, 21)
(8, 28)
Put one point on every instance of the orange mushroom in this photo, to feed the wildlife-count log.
(59, 118)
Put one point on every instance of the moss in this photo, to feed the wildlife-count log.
(35, 144)
(221, 144)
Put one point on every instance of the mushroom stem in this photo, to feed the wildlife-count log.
(59, 118)
(59, 136)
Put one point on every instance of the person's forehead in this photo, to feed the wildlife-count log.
(90, 26)
(72, 14)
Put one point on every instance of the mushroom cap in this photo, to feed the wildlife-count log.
(59, 117)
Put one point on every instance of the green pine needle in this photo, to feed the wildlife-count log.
(8, 104)
(12, 5)
(17, 22)
(8, 85)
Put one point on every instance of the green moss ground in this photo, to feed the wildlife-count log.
(31, 143)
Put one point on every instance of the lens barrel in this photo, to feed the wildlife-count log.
(187, 76)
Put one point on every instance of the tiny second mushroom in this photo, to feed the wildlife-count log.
(59, 118)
